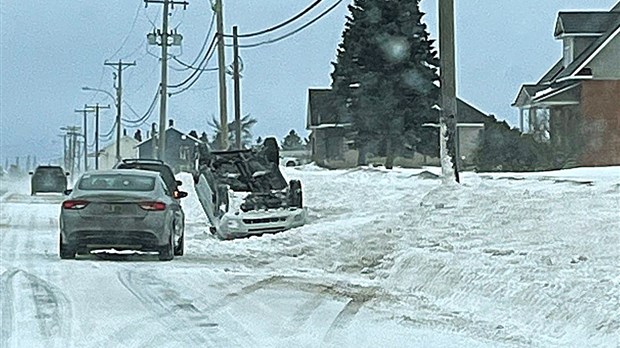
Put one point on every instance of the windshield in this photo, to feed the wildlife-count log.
(116, 182)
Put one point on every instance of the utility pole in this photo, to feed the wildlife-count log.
(448, 87)
(237, 87)
(70, 149)
(85, 112)
(221, 62)
(97, 107)
(64, 150)
(164, 66)
(119, 93)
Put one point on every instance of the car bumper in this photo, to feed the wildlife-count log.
(258, 222)
(124, 233)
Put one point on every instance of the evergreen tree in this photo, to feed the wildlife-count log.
(384, 78)
(292, 141)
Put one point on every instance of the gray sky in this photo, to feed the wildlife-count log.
(49, 51)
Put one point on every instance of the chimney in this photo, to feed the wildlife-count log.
(170, 123)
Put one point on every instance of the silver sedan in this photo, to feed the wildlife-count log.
(121, 209)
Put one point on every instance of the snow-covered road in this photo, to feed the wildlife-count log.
(389, 259)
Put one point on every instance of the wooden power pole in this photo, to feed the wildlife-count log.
(237, 87)
(448, 86)
(221, 62)
(96, 108)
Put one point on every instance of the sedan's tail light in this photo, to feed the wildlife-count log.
(153, 206)
(74, 204)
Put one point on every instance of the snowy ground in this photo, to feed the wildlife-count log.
(388, 259)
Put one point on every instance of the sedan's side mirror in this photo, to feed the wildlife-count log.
(30, 173)
(67, 192)
(180, 194)
(67, 173)
(179, 182)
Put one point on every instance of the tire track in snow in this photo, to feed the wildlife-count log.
(52, 309)
(358, 297)
(7, 305)
(343, 319)
(179, 313)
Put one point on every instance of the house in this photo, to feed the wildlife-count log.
(575, 106)
(180, 149)
(107, 156)
(332, 137)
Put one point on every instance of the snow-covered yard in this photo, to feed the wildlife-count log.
(388, 258)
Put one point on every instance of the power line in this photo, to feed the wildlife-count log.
(204, 62)
(108, 135)
(285, 36)
(133, 25)
(143, 118)
(187, 66)
(204, 45)
(278, 26)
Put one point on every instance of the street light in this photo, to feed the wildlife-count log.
(86, 88)
(117, 103)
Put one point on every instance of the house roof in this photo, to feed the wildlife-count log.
(552, 73)
(575, 68)
(584, 22)
(467, 113)
(605, 25)
(170, 129)
(320, 107)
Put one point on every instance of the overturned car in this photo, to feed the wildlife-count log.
(244, 193)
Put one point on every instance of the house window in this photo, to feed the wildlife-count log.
(568, 51)
(184, 153)
(540, 127)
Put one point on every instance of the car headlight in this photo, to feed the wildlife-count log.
(233, 224)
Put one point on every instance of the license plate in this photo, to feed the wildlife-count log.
(112, 209)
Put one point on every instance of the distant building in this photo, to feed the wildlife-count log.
(575, 106)
(332, 136)
(180, 149)
(107, 156)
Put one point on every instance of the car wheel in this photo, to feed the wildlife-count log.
(290, 164)
(179, 250)
(66, 251)
(272, 151)
(166, 253)
(296, 197)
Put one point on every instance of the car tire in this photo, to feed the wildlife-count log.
(222, 200)
(296, 195)
(272, 151)
(66, 251)
(179, 250)
(166, 253)
(290, 164)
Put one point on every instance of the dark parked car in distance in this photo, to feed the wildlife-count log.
(48, 179)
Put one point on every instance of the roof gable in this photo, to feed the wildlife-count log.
(575, 68)
(168, 131)
(584, 23)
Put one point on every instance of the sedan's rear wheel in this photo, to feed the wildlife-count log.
(179, 250)
(66, 251)
(166, 253)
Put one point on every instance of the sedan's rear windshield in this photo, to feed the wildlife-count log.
(116, 182)
(49, 171)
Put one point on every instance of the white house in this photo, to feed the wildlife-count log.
(107, 156)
